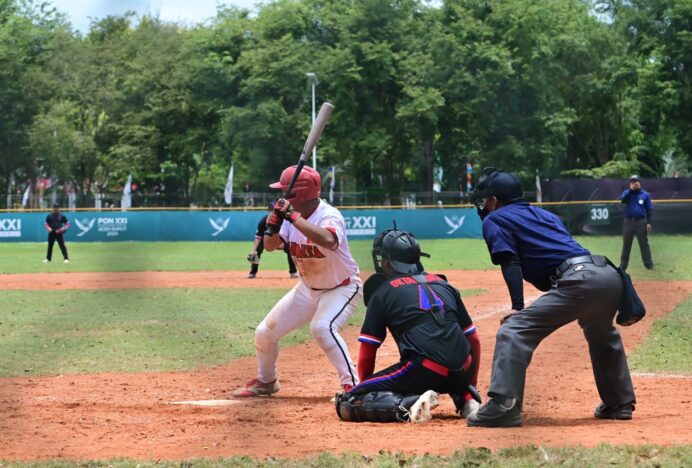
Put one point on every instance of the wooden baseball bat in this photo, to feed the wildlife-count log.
(313, 137)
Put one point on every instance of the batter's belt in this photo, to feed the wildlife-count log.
(345, 282)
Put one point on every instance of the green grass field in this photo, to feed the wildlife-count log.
(671, 253)
(75, 331)
(519, 457)
(54, 332)
(72, 331)
(668, 348)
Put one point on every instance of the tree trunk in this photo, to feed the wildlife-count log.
(427, 163)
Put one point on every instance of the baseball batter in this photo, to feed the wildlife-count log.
(329, 286)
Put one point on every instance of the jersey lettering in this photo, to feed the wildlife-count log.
(305, 251)
(395, 283)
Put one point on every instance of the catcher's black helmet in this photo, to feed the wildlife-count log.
(496, 183)
(401, 249)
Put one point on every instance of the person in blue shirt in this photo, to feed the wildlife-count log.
(532, 244)
(637, 222)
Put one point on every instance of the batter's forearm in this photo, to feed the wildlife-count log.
(318, 235)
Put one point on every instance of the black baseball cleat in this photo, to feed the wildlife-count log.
(621, 413)
(493, 414)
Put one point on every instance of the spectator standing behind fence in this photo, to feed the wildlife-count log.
(637, 222)
(56, 225)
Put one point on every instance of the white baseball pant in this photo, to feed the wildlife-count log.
(326, 311)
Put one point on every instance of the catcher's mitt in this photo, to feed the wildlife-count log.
(253, 258)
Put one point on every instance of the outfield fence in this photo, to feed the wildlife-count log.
(599, 217)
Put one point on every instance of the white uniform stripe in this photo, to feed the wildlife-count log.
(336, 340)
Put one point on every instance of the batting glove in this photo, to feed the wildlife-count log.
(285, 210)
(274, 222)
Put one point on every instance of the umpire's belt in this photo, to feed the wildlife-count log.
(598, 260)
(444, 371)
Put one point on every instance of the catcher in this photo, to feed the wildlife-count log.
(438, 344)
(258, 247)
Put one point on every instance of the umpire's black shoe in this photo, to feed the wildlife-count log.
(622, 413)
(494, 414)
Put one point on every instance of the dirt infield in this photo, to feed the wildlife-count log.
(107, 415)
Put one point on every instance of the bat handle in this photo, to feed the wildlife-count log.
(299, 168)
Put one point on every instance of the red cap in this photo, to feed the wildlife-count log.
(307, 187)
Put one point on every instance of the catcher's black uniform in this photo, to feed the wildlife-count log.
(438, 343)
(259, 234)
(428, 321)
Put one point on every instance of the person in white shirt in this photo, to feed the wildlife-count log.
(329, 287)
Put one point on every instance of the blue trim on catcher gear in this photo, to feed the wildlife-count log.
(383, 378)
(367, 339)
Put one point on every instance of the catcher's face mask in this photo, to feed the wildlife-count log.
(400, 249)
(377, 251)
(482, 192)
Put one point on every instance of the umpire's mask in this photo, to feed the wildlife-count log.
(401, 249)
(496, 183)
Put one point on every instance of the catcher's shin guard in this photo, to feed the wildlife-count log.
(374, 407)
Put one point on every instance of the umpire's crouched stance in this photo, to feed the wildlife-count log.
(437, 341)
(532, 243)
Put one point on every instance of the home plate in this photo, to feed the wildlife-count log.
(206, 402)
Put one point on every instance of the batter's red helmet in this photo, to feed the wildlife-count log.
(307, 187)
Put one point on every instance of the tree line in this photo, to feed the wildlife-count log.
(560, 88)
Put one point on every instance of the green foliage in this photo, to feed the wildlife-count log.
(585, 88)
(616, 168)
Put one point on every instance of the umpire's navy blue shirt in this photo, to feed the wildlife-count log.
(637, 204)
(535, 235)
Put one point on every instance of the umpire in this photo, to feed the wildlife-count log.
(532, 244)
(258, 247)
(56, 224)
(637, 222)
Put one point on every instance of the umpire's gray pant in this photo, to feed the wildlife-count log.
(587, 293)
(631, 228)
